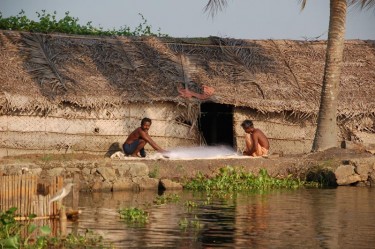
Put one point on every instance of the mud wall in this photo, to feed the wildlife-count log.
(69, 130)
(287, 134)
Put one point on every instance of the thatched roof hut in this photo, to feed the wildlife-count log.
(73, 91)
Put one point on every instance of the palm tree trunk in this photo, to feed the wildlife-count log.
(326, 133)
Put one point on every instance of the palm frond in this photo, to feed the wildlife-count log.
(303, 4)
(362, 4)
(121, 54)
(236, 52)
(42, 59)
(213, 6)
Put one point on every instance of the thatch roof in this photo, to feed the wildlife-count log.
(42, 72)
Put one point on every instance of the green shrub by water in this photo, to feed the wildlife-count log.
(230, 179)
(48, 23)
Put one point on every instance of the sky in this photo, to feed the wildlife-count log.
(241, 19)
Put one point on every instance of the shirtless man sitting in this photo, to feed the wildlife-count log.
(137, 140)
(256, 142)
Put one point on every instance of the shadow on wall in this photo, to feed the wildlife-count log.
(113, 149)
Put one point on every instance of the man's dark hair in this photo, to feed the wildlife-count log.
(144, 120)
(247, 123)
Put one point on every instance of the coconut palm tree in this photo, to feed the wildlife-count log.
(326, 132)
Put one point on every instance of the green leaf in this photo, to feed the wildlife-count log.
(12, 242)
(11, 210)
(31, 228)
(45, 229)
(32, 216)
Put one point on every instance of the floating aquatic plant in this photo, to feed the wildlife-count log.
(230, 179)
(134, 215)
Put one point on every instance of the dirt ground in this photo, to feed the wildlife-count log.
(176, 169)
(337, 153)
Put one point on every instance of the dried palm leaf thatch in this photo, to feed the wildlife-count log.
(9, 41)
(118, 53)
(266, 75)
(189, 114)
(238, 53)
(42, 64)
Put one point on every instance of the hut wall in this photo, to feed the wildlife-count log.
(286, 136)
(67, 130)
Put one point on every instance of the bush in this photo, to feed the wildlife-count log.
(48, 23)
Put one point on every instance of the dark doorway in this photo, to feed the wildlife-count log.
(216, 123)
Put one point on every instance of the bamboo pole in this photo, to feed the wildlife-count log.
(23, 194)
(75, 192)
(47, 198)
(17, 193)
(1, 193)
(33, 182)
(10, 190)
(53, 191)
(6, 192)
(14, 192)
(3, 190)
(27, 197)
(24, 197)
(43, 199)
(63, 221)
(48, 209)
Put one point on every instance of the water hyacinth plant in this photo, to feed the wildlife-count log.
(230, 179)
(134, 215)
(165, 199)
(192, 224)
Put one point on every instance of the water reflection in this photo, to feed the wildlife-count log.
(306, 218)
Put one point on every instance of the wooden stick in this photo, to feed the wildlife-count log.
(27, 218)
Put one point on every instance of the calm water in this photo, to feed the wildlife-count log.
(308, 218)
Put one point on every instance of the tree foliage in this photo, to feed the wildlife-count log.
(48, 23)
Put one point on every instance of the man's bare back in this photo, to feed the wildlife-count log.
(256, 142)
(259, 137)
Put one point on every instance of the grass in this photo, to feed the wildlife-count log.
(154, 173)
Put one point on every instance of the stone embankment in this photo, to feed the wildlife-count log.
(104, 174)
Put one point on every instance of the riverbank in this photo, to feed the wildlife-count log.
(96, 173)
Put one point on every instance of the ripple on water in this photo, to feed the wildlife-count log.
(308, 218)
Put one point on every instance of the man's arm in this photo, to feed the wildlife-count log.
(149, 140)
